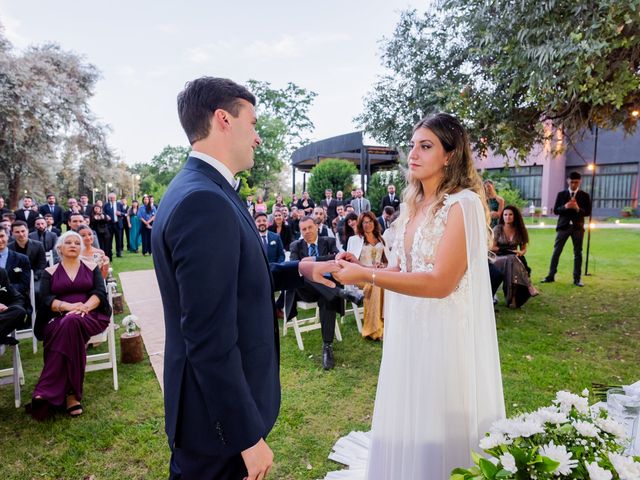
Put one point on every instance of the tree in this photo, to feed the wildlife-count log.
(515, 72)
(378, 187)
(156, 175)
(44, 100)
(331, 173)
(283, 123)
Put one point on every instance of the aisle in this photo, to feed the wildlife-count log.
(141, 292)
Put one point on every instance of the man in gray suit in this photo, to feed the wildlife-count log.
(359, 203)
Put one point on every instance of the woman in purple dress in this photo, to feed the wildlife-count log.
(73, 307)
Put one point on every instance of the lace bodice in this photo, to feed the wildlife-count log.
(371, 254)
(425, 241)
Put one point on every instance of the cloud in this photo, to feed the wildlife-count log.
(205, 53)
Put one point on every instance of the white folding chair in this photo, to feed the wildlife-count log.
(28, 332)
(106, 360)
(358, 313)
(304, 324)
(49, 256)
(14, 374)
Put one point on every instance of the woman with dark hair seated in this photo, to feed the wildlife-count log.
(510, 239)
(73, 307)
(349, 228)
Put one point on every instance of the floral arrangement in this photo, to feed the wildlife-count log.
(563, 441)
(129, 323)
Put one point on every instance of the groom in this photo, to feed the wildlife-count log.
(221, 372)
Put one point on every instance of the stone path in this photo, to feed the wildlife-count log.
(141, 292)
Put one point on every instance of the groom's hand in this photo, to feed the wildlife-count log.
(315, 271)
(258, 460)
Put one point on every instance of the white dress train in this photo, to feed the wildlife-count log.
(440, 385)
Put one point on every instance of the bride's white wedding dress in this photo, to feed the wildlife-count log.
(440, 386)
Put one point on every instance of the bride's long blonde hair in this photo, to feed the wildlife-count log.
(459, 173)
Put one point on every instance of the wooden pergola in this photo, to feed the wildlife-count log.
(367, 158)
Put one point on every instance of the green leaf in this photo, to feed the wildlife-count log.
(487, 468)
(549, 465)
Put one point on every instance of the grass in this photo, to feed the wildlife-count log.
(564, 339)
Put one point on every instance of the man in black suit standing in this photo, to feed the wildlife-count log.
(271, 241)
(116, 213)
(54, 209)
(329, 204)
(85, 207)
(27, 213)
(571, 206)
(390, 199)
(221, 373)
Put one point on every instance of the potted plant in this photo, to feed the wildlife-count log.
(627, 211)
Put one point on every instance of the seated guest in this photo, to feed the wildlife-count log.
(50, 226)
(6, 225)
(320, 217)
(368, 248)
(510, 239)
(76, 220)
(294, 222)
(385, 219)
(18, 269)
(279, 203)
(33, 249)
(91, 253)
(348, 228)
(293, 202)
(99, 222)
(261, 206)
(12, 312)
(280, 227)
(330, 301)
(306, 204)
(45, 237)
(73, 308)
(271, 243)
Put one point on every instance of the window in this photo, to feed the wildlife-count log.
(614, 184)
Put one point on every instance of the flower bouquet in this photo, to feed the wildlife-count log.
(565, 440)
(130, 323)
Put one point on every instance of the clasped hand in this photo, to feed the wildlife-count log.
(345, 269)
(78, 308)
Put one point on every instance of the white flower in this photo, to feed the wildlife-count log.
(626, 468)
(559, 453)
(3, 289)
(611, 426)
(508, 462)
(596, 472)
(550, 415)
(494, 440)
(17, 269)
(566, 400)
(518, 427)
(585, 392)
(586, 429)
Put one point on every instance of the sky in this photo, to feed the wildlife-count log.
(147, 50)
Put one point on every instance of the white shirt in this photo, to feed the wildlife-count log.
(218, 165)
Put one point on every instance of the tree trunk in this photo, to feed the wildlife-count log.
(14, 190)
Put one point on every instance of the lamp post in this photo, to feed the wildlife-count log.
(591, 167)
(134, 178)
(106, 190)
(93, 195)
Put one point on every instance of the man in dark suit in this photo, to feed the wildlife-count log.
(330, 300)
(116, 213)
(12, 312)
(271, 242)
(54, 209)
(18, 269)
(571, 206)
(85, 207)
(329, 204)
(33, 249)
(3, 207)
(50, 228)
(385, 219)
(44, 236)
(221, 379)
(27, 213)
(390, 199)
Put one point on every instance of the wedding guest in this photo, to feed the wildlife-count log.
(3, 207)
(85, 206)
(368, 248)
(320, 217)
(125, 221)
(294, 222)
(571, 206)
(271, 243)
(91, 253)
(294, 201)
(261, 206)
(510, 239)
(250, 204)
(306, 204)
(390, 199)
(360, 203)
(26, 213)
(329, 204)
(12, 312)
(54, 209)
(279, 203)
(134, 227)
(348, 228)
(50, 226)
(73, 308)
(76, 220)
(147, 215)
(99, 223)
(33, 249)
(44, 236)
(495, 201)
(280, 227)
(19, 272)
(385, 219)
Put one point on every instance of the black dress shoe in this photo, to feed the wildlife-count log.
(578, 283)
(9, 341)
(548, 280)
(353, 296)
(327, 356)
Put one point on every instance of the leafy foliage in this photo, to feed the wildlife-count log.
(331, 173)
(513, 71)
(156, 175)
(378, 187)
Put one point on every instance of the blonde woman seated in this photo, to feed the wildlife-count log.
(367, 246)
(73, 307)
(91, 253)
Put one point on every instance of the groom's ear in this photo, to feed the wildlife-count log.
(220, 120)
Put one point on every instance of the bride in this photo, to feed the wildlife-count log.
(440, 386)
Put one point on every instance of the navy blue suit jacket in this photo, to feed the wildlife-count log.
(221, 371)
(19, 270)
(275, 249)
(58, 214)
(109, 211)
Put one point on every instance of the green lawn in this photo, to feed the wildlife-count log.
(564, 339)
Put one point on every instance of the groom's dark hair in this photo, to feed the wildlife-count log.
(203, 96)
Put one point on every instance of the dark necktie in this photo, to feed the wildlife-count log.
(264, 243)
(313, 250)
(51, 208)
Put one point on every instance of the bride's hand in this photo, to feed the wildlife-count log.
(351, 273)
(347, 256)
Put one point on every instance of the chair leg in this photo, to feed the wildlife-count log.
(337, 333)
(18, 376)
(296, 330)
(356, 314)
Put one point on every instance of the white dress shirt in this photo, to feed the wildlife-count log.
(218, 165)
